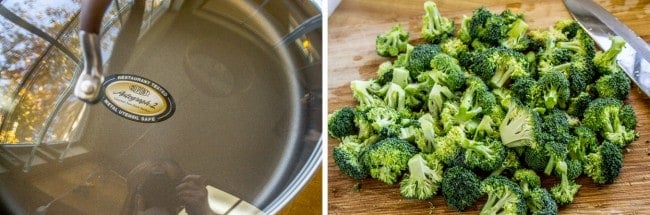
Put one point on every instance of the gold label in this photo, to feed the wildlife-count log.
(137, 98)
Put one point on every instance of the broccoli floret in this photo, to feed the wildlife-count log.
(478, 20)
(424, 177)
(540, 202)
(341, 123)
(614, 85)
(427, 125)
(361, 92)
(346, 156)
(604, 165)
(437, 96)
(583, 142)
(460, 187)
(464, 34)
(581, 44)
(362, 122)
(555, 89)
(476, 99)
(536, 158)
(581, 74)
(520, 127)
(486, 155)
(528, 90)
(503, 96)
(392, 42)
(504, 196)
(556, 125)
(447, 72)
(527, 179)
(627, 116)
(395, 97)
(497, 65)
(516, 37)
(557, 152)
(564, 192)
(602, 116)
(403, 58)
(385, 73)
(453, 47)
(485, 129)
(445, 149)
(420, 59)
(538, 199)
(546, 39)
(606, 61)
(568, 26)
(386, 159)
(578, 104)
(510, 164)
(574, 169)
(435, 27)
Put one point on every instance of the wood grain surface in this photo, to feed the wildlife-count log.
(352, 31)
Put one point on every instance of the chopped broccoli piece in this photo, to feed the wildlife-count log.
(520, 127)
(516, 37)
(424, 177)
(614, 85)
(341, 123)
(346, 156)
(510, 164)
(497, 65)
(504, 196)
(564, 192)
(361, 92)
(435, 27)
(583, 142)
(386, 159)
(460, 187)
(627, 116)
(392, 42)
(555, 89)
(581, 44)
(420, 59)
(568, 26)
(453, 47)
(602, 116)
(486, 155)
(578, 104)
(604, 165)
(437, 96)
(540, 202)
(395, 97)
(447, 72)
(606, 61)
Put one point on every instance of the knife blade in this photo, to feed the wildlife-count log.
(634, 59)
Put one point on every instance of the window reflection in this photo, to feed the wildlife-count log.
(48, 15)
(20, 49)
(34, 73)
(38, 98)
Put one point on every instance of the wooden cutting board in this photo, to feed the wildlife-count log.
(353, 28)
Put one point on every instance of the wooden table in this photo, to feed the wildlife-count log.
(352, 31)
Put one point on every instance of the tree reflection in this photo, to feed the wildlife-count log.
(25, 54)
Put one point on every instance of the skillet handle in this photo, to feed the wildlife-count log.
(92, 11)
(88, 84)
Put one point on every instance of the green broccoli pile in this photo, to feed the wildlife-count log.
(486, 111)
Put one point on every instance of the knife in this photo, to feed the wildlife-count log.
(634, 59)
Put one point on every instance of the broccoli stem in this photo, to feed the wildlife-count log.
(500, 76)
(550, 98)
(493, 208)
(552, 161)
(434, 14)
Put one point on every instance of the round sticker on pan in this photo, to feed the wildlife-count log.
(137, 98)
